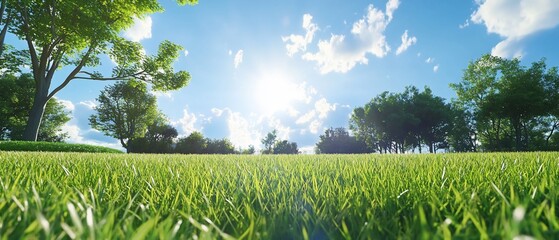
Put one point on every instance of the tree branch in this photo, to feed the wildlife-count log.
(74, 72)
(4, 31)
(2, 8)
(92, 76)
(31, 46)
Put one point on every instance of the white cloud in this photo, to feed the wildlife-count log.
(436, 68)
(391, 6)
(159, 94)
(67, 104)
(187, 122)
(292, 111)
(323, 108)
(406, 43)
(282, 130)
(465, 24)
(514, 20)
(186, 53)
(296, 43)
(307, 150)
(76, 135)
(429, 60)
(314, 126)
(306, 118)
(315, 117)
(341, 54)
(508, 48)
(230, 52)
(238, 58)
(89, 104)
(241, 131)
(140, 30)
(217, 112)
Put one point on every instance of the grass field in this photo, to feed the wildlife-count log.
(115, 196)
(53, 147)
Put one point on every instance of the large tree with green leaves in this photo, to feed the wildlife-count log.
(125, 111)
(16, 97)
(513, 106)
(434, 120)
(397, 122)
(386, 122)
(74, 33)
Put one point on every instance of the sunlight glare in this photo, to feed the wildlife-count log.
(275, 92)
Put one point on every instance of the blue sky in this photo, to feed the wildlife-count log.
(302, 66)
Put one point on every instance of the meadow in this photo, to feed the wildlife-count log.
(116, 196)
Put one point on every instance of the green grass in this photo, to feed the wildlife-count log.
(53, 147)
(115, 196)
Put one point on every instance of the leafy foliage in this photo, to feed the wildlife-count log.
(512, 107)
(269, 142)
(109, 196)
(286, 147)
(219, 146)
(394, 122)
(125, 111)
(75, 33)
(158, 138)
(196, 143)
(339, 141)
(16, 97)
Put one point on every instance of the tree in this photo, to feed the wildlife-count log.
(510, 102)
(462, 136)
(15, 103)
(285, 147)
(75, 33)
(339, 141)
(399, 122)
(125, 111)
(435, 118)
(159, 138)
(219, 146)
(386, 122)
(195, 143)
(249, 151)
(269, 142)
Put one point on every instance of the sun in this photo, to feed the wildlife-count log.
(277, 91)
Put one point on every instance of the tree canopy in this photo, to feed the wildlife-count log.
(394, 122)
(159, 138)
(513, 107)
(15, 102)
(125, 111)
(74, 34)
(340, 142)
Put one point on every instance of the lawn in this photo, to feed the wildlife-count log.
(116, 196)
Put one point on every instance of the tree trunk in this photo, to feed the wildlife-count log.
(36, 115)
(5, 27)
(517, 133)
(550, 134)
